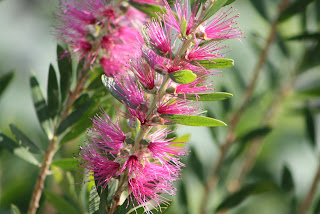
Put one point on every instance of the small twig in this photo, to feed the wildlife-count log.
(238, 113)
(307, 201)
(44, 169)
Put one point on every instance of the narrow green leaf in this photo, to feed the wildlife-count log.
(293, 9)
(94, 200)
(183, 198)
(193, 120)
(149, 9)
(116, 91)
(66, 163)
(53, 92)
(255, 133)
(317, 207)
(23, 140)
(76, 115)
(261, 8)
(14, 209)
(65, 69)
(17, 149)
(62, 206)
(206, 97)
(214, 63)
(196, 165)
(229, 2)
(41, 107)
(183, 27)
(287, 183)
(305, 36)
(310, 126)
(215, 8)
(5, 81)
(183, 138)
(183, 76)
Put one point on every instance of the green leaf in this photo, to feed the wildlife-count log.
(149, 9)
(116, 91)
(305, 36)
(76, 115)
(196, 165)
(65, 69)
(287, 184)
(184, 138)
(14, 209)
(17, 149)
(255, 133)
(214, 63)
(293, 9)
(66, 163)
(62, 206)
(308, 83)
(310, 126)
(229, 2)
(5, 80)
(183, 27)
(41, 107)
(261, 8)
(238, 197)
(183, 76)
(193, 120)
(53, 92)
(317, 207)
(215, 8)
(182, 197)
(23, 140)
(206, 97)
(94, 200)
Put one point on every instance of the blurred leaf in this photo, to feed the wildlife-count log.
(17, 149)
(53, 92)
(282, 45)
(226, 103)
(238, 197)
(182, 197)
(196, 165)
(255, 133)
(103, 201)
(62, 206)
(305, 36)
(41, 107)
(308, 83)
(310, 126)
(149, 9)
(183, 76)
(311, 57)
(65, 69)
(229, 2)
(112, 188)
(216, 96)
(77, 114)
(94, 200)
(193, 120)
(293, 9)
(23, 140)
(66, 163)
(213, 130)
(14, 209)
(287, 183)
(317, 207)
(214, 63)
(261, 8)
(5, 81)
(293, 205)
(184, 138)
(215, 8)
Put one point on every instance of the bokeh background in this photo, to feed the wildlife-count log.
(27, 45)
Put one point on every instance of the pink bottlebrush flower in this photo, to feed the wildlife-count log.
(177, 106)
(156, 2)
(207, 51)
(200, 85)
(145, 73)
(222, 26)
(159, 37)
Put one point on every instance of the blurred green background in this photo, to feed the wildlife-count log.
(27, 44)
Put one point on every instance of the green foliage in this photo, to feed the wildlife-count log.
(5, 81)
(287, 183)
(66, 163)
(192, 120)
(14, 209)
(65, 69)
(216, 96)
(62, 205)
(214, 63)
(310, 126)
(53, 93)
(196, 165)
(149, 9)
(293, 9)
(215, 8)
(183, 76)
(255, 134)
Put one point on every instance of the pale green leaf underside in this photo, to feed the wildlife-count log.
(193, 120)
(216, 96)
(214, 63)
(183, 76)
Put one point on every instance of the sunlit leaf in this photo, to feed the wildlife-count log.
(5, 81)
(216, 96)
(193, 120)
(53, 92)
(41, 107)
(214, 63)
(183, 76)
(215, 8)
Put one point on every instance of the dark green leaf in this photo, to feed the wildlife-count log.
(41, 107)
(229, 2)
(196, 165)
(317, 207)
(66, 163)
(236, 198)
(261, 8)
(149, 9)
(76, 115)
(311, 58)
(23, 140)
(103, 201)
(308, 83)
(193, 120)
(17, 149)
(310, 126)
(305, 36)
(62, 206)
(226, 103)
(183, 198)
(215, 8)
(183, 76)
(65, 69)
(5, 80)
(206, 97)
(214, 63)
(287, 183)
(14, 209)
(293, 9)
(53, 92)
(255, 133)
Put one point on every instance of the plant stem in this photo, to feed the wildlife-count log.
(44, 169)
(238, 113)
(307, 201)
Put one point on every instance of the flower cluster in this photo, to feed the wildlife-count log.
(166, 79)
